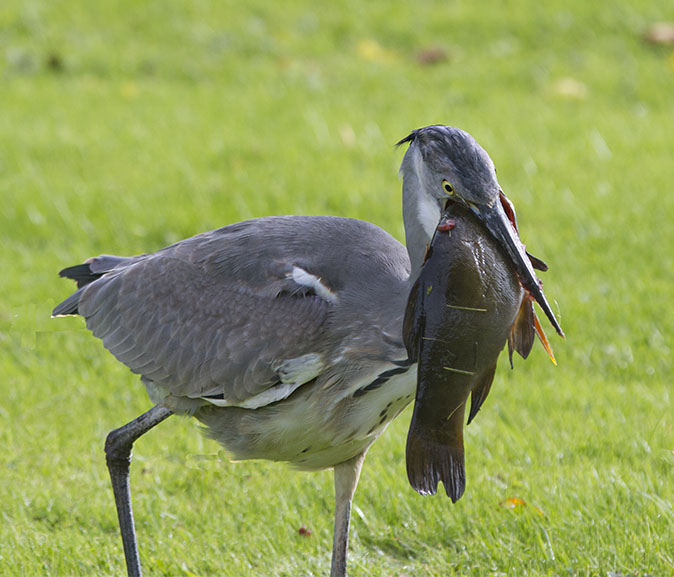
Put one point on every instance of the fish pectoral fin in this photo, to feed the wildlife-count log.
(521, 337)
(480, 392)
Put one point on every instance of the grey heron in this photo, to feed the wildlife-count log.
(284, 335)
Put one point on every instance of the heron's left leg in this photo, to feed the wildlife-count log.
(118, 456)
(346, 481)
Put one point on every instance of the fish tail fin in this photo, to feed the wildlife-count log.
(430, 461)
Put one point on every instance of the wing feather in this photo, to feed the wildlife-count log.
(220, 313)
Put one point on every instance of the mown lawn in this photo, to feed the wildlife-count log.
(127, 125)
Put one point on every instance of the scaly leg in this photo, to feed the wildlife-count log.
(346, 481)
(118, 456)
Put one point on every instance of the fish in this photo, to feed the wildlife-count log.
(466, 304)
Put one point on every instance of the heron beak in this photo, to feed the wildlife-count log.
(503, 229)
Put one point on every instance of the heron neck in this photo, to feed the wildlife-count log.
(421, 215)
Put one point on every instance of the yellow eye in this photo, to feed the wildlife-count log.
(449, 189)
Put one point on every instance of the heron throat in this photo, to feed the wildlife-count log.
(421, 212)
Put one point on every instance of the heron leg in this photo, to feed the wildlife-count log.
(346, 481)
(118, 456)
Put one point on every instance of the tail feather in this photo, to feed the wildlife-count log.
(84, 274)
(80, 273)
(68, 306)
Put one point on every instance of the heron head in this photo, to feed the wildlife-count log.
(449, 163)
(445, 164)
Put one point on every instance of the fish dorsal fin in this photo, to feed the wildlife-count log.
(521, 337)
(480, 392)
(526, 325)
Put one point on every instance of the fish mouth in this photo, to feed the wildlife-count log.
(499, 218)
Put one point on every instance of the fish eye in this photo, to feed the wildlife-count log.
(449, 189)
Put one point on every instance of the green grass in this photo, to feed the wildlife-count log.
(126, 125)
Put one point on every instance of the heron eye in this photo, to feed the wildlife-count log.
(449, 189)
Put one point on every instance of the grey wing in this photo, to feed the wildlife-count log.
(199, 330)
(245, 314)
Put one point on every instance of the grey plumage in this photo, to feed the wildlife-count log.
(218, 318)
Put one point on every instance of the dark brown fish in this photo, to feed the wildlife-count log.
(466, 304)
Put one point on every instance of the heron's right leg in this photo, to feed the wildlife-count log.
(118, 456)
(346, 481)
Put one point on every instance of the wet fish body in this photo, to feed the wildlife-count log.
(459, 315)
